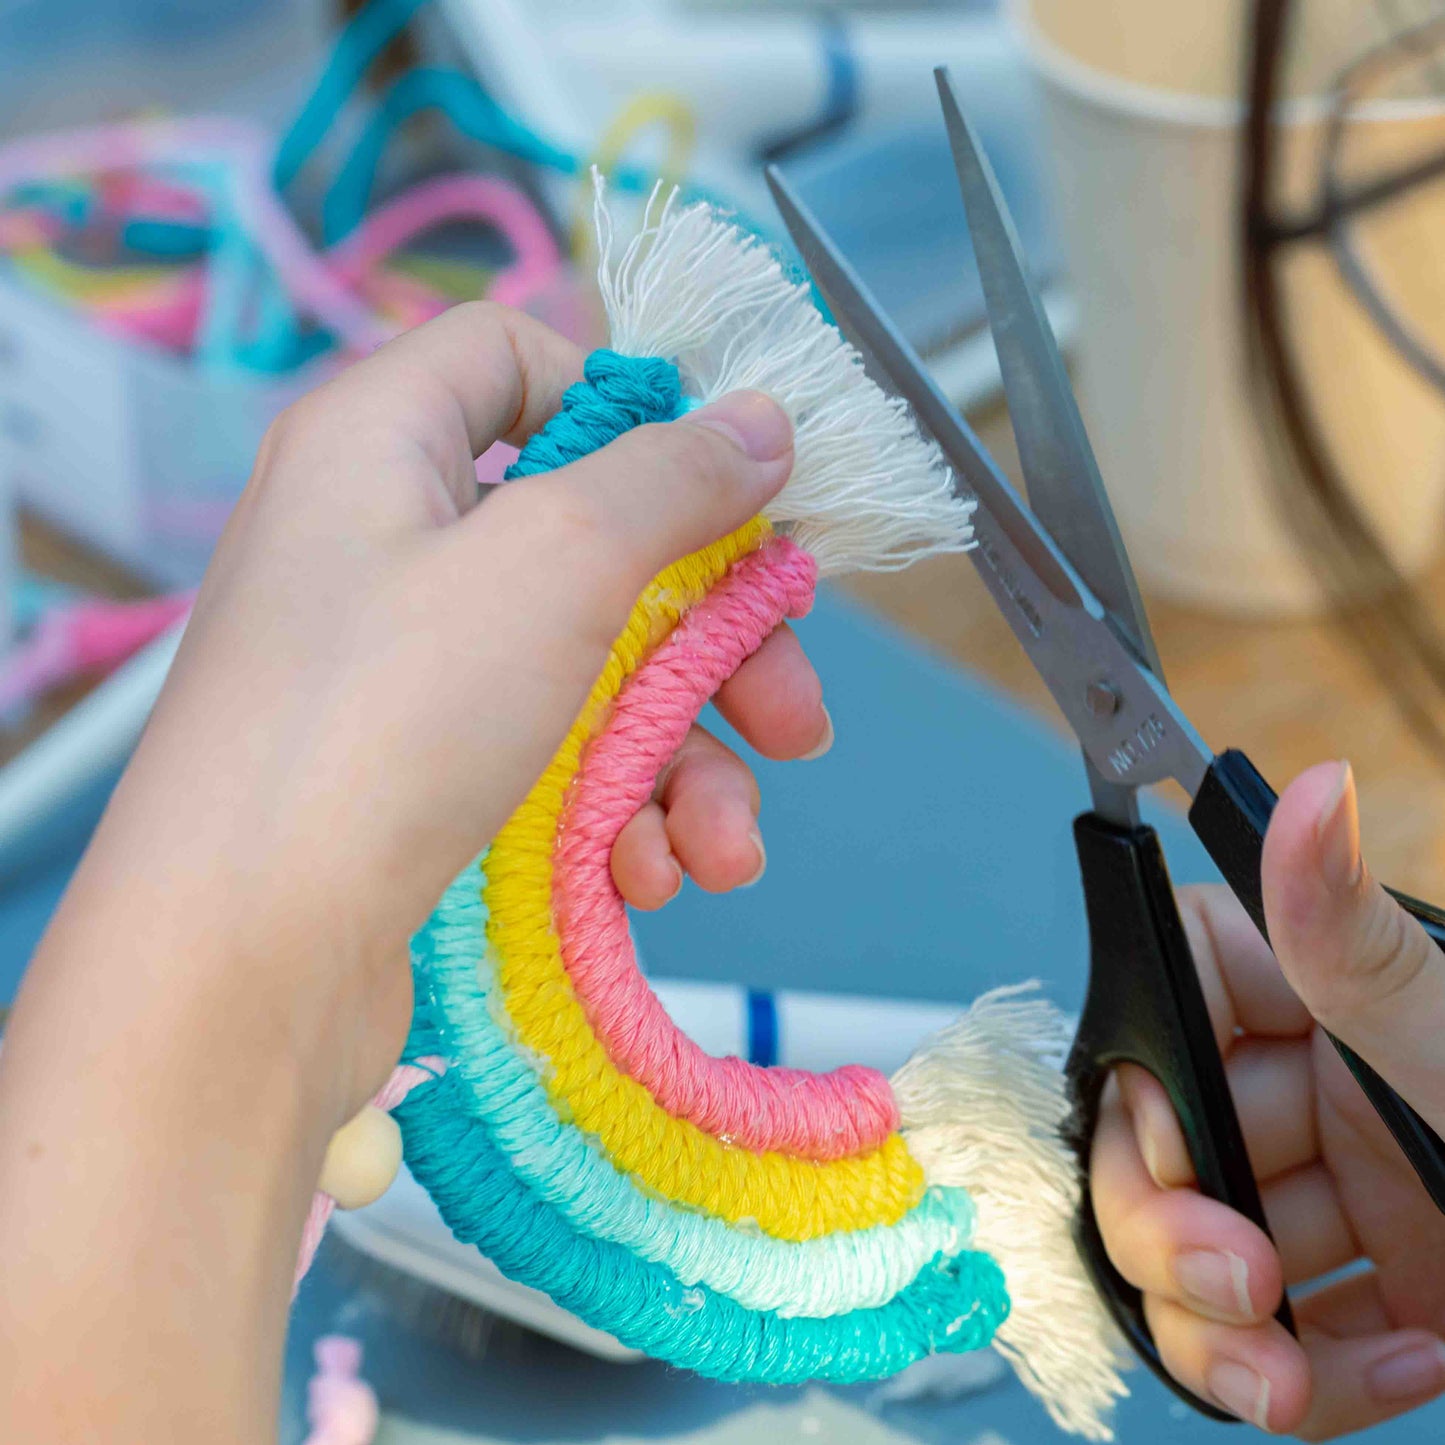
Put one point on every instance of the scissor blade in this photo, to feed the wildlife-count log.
(884, 348)
(1065, 489)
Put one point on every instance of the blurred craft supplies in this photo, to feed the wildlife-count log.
(80, 637)
(183, 364)
(341, 1408)
(174, 239)
(839, 93)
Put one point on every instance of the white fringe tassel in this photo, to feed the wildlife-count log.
(867, 491)
(983, 1104)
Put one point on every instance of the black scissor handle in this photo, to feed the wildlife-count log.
(1230, 813)
(1145, 1006)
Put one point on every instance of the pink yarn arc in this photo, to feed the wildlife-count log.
(404, 1078)
(818, 1116)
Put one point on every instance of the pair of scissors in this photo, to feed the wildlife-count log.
(1060, 575)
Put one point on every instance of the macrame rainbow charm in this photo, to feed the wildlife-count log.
(748, 1223)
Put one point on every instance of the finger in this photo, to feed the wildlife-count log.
(1175, 1243)
(1367, 971)
(710, 799)
(1272, 1091)
(1272, 1084)
(644, 869)
(612, 520)
(1258, 1373)
(1361, 1380)
(496, 373)
(775, 700)
(1243, 985)
(438, 395)
(1157, 1134)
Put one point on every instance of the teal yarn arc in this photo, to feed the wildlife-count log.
(954, 1303)
(830, 1275)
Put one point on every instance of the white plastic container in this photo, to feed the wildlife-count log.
(126, 448)
(1141, 108)
(133, 451)
(568, 70)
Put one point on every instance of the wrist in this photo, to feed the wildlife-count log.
(160, 1138)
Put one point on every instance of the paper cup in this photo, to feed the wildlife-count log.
(1142, 116)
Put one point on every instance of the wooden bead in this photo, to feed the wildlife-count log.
(362, 1159)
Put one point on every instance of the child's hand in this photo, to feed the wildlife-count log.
(1337, 1192)
(375, 673)
(378, 669)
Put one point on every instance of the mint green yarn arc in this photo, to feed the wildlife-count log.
(831, 1275)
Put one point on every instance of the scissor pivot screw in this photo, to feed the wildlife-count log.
(1101, 699)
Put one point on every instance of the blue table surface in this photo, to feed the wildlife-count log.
(928, 855)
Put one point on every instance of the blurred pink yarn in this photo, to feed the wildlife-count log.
(341, 1407)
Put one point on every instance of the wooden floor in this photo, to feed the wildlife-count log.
(1289, 694)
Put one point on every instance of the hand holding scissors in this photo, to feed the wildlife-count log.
(1060, 575)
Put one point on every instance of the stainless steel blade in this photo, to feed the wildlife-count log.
(1065, 489)
(1130, 729)
(884, 346)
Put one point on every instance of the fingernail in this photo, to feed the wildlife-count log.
(1411, 1374)
(1338, 832)
(762, 858)
(677, 886)
(824, 743)
(1217, 1281)
(1143, 1107)
(1150, 1150)
(1241, 1391)
(751, 419)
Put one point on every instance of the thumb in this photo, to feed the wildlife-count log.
(1362, 966)
(659, 492)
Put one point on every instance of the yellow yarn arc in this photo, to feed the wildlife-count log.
(785, 1196)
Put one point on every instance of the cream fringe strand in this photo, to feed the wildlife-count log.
(867, 492)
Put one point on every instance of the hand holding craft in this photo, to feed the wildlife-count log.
(1337, 1193)
(440, 648)
(375, 672)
